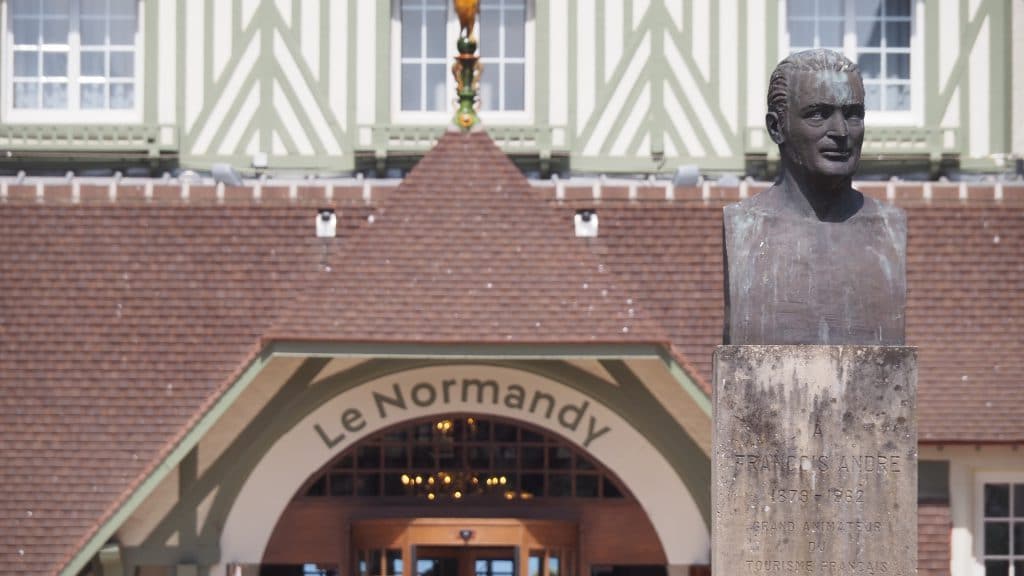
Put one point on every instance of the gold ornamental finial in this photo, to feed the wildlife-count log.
(467, 67)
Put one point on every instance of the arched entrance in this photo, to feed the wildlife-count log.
(342, 412)
(462, 495)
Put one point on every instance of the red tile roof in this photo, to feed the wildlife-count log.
(466, 251)
(120, 321)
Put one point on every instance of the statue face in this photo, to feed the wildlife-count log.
(824, 125)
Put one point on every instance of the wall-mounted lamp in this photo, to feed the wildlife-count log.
(326, 223)
(586, 223)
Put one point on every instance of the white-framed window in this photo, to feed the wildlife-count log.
(503, 53)
(424, 33)
(424, 61)
(1001, 524)
(72, 61)
(879, 35)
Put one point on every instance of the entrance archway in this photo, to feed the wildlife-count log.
(459, 495)
(357, 413)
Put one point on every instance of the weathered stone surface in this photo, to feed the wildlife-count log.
(815, 460)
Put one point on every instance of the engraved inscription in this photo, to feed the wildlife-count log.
(815, 461)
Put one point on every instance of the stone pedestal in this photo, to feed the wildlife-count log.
(814, 467)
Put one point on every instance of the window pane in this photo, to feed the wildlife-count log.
(55, 64)
(26, 30)
(55, 31)
(436, 34)
(26, 63)
(24, 7)
(1018, 504)
(411, 88)
(122, 32)
(997, 538)
(897, 97)
(831, 8)
(1018, 538)
(869, 33)
(490, 33)
(94, 64)
(368, 485)
(586, 486)
(93, 32)
(515, 33)
(559, 458)
(869, 8)
(997, 500)
(801, 33)
(533, 457)
(997, 568)
(122, 64)
(412, 28)
(94, 7)
(489, 94)
(26, 95)
(122, 7)
(93, 96)
(897, 66)
(1018, 567)
(560, 485)
(897, 34)
(122, 96)
(55, 7)
(436, 86)
(55, 95)
(870, 65)
(801, 7)
(342, 485)
(830, 34)
(872, 96)
(897, 7)
(533, 484)
(514, 87)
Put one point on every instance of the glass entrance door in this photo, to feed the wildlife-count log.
(463, 547)
(465, 561)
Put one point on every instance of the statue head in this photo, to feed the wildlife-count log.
(816, 114)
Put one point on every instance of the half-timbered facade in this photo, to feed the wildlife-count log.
(594, 86)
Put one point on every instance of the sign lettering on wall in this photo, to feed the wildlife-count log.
(399, 402)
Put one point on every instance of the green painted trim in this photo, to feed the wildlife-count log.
(265, 117)
(469, 351)
(636, 164)
(657, 70)
(351, 85)
(542, 73)
(179, 65)
(1000, 76)
(382, 108)
(151, 32)
(168, 465)
(695, 392)
(641, 409)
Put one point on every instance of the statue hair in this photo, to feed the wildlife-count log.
(815, 60)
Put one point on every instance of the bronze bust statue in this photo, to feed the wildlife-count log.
(811, 260)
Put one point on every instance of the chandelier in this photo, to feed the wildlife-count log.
(458, 484)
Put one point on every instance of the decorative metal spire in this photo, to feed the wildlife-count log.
(467, 67)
